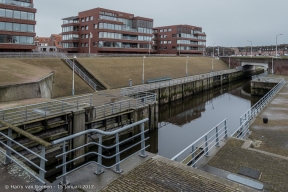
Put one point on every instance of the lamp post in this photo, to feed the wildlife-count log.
(229, 61)
(213, 58)
(74, 57)
(186, 66)
(143, 70)
(272, 66)
(251, 47)
(276, 47)
(90, 34)
(179, 46)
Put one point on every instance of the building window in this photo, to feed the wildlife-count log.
(86, 36)
(161, 30)
(82, 28)
(87, 18)
(165, 30)
(86, 44)
(24, 15)
(95, 26)
(91, 18)
(83, 19)
(86, 27)
(169, 29)
(169, 42)
(9, 13)
(17, 14)
(174, 35)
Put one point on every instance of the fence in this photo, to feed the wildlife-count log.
(11, 143)
(255, 109)
(99, 154)
(45, 109)
(148, 87)
(137, 101)
(80, 73)
(31, 55)
(204, 144)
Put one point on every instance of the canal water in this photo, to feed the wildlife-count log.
(184, 121)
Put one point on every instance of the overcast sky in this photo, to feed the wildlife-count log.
(226, 22)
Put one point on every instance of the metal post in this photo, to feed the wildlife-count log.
(26, 114)
(206, 146)
(193, 156)
(217, 137)
(186, 66)
(225, 127)
(64, 181)
(272, 67)
(45, 109)
(8, 150)
(73, 79)
(142, 153)
(117, 170)
(42, 163)
(99, 157)
(143, 70)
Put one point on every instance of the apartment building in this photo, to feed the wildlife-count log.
(49, 44)
(17, 25)
(179, 39)
(106, 31)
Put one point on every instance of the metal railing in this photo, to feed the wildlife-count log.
(80, 73)
(31, 55)
(138, 101)
(260, 75)
(17, 3)
(13, 155)
(152, 86)
(99, 153)
(255, 109)
(45, 109)
(204, 144)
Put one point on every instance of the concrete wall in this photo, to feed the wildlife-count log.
(41, 89)
(175, 92)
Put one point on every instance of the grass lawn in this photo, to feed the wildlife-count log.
(115, 72)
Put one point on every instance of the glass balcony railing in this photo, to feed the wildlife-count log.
(69, 21)
(17, 3)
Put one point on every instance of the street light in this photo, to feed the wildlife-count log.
(251, 47)
(213, 58)
(143, 71)
(186, 66)
(276, 47)
(74, 57)
(90, 34)
(179, 46)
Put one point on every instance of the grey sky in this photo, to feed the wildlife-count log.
(226, 22)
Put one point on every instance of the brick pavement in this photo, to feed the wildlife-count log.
(274, 170)
(160, 174)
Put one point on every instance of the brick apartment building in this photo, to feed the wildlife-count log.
(179, 39)
(17, 26)
(49, 44)
(106, 31)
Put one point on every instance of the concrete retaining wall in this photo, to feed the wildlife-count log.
(40, 89)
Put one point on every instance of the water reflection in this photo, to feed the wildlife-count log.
(184, 121)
